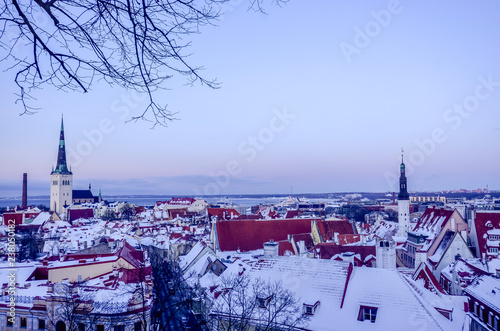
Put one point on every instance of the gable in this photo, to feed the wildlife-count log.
(483, 222)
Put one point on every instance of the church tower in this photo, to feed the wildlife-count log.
(61, 180)
(403, 203)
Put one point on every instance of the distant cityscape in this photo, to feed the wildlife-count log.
(77, 260)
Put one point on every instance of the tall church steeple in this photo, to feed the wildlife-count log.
(61, 184)
(403, 190)
(61, 167)
(403, 202)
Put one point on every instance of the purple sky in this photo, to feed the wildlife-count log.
(318, 95)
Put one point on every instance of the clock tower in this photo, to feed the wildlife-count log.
(403, 202)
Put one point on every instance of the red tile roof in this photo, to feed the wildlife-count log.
(345, 239)
(140, 209)
(284, 246)
(328, 228)
(484, 221)
(16, 217)
(248, 235)
(306, 238)
(328, 250)
(433, 218)
(430, 282)
(74, 214)
(222, 213)
(292, 213)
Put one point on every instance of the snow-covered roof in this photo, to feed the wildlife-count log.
(41, 218)
(487, 290)
(342, 290)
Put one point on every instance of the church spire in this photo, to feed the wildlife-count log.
(403, 190)
(61, 167)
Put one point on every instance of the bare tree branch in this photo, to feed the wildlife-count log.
(134, 44)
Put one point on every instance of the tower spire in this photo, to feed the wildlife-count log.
(403, 190)
(61, 167)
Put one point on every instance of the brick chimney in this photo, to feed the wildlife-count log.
(24, 202)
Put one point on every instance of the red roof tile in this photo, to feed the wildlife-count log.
(285, 246)
(434, 218)
(485, 221)
(345, 239)
(430, 282)
(306, 238)
(292, 213)
(16, 217)
(74, 214)
(327, 229)
(223, 213)
(328, 250)
(248, 235)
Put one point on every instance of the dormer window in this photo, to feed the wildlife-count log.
(367, 313)
(310, 309)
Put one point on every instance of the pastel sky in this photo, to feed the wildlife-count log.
(317, 95)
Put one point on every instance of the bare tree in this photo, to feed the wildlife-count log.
(172, 295)
(71, 305)
(127, 210)
(130, 43)
(242, 303)
(31, 243)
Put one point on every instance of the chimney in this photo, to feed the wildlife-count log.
(24, 202)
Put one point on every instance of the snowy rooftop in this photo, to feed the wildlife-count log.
(487, 290)
(341, 291)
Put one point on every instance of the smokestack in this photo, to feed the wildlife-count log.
(393, 198)
(24, 202)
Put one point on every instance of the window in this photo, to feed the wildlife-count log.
(367, 313)
(490, 319)
(81, 326)
(24, 322)
(41, 324)
(10, 321)
(120, 327)
(493, 250)
(100, 327)
(138, 326)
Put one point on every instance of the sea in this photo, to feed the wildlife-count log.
(151, 200)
